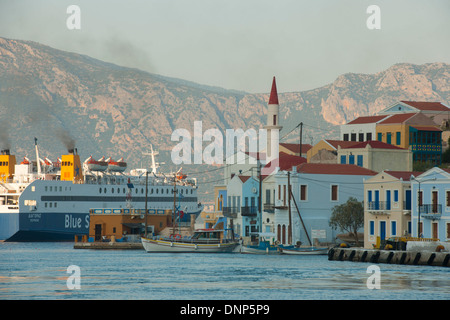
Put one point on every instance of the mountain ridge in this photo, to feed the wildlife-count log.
(118, 111)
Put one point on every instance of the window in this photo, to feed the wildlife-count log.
(361, 137)
(274, 119)
(351, 159)
(447, 201)
(303, 192)
(448, 230)
(395, 195)
(419, 197)
(398, 138)
(345, 136)
(343, 159)
(369, 136)
(389, 138)
(379, 136)
(359, 160)
(353, 136)
(334, 192)
(393, 228)
(371, 227)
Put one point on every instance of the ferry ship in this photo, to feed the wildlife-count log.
(50, 201)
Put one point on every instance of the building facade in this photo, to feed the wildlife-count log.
(316, 189)
(430, 216)
(387, 206)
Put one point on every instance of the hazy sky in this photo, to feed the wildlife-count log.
(240, 44)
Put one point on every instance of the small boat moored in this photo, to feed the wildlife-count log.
(203, 240)
(305, 251)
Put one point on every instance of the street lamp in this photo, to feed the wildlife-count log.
(418, 205)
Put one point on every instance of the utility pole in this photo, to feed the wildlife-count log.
(289, 206)
(301, 133)
(174, 203)
(260, 196)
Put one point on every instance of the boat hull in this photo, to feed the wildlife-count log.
(305, 251)
(151, 245)
(43, 226)
(267, 250)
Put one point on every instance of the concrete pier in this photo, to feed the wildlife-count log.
(109, 245)
(390, 256)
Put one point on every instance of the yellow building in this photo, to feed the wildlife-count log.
(387, 206)
(125, 223)
(329, 145)
(414, 130)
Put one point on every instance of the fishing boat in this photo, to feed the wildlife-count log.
(263, 245)
(304, 251)
(203, 240)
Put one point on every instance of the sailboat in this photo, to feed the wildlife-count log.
(298, 250)
(211, 240)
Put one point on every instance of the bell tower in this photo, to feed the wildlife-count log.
(273, 117)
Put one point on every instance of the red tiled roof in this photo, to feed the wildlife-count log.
(342, 144)
(244, 178)
(273, 93)
(285, 162)
(325, 168)
(426, 128)
(367, 119)
(374, 144)
(398, 118)
(427, 106)
(405, 175)
(296, 147)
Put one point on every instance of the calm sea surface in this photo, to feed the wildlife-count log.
(39, 271)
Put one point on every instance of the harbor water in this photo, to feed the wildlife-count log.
(40, 271)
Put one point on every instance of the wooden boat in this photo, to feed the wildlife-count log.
(203, 240)
(305, 251)
(264, 247)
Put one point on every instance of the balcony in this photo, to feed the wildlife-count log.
(249, 211)
(269, 207)
(230, 212)
(431, 211)
(378, 207)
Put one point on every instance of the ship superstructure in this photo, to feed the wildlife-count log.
(50, 201)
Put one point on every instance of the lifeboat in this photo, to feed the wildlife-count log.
(25, 161)
(116, 166)
(96, 165)
(180, 175)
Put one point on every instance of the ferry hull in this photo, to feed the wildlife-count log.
(186, 247)
(48, 226)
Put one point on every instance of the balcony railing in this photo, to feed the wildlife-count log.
(431, 209)
(269, 207)
(249, 211)
(230, 212)
(378, 205)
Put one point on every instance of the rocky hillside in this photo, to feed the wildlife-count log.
(64, 98)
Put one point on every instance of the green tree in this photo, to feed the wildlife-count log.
(348, 217)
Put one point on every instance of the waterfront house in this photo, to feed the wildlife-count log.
(316, 189)
(387, 206)
(242, 205)
(430, 215)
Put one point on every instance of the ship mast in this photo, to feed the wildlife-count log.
(37, 158)
(174, 203)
